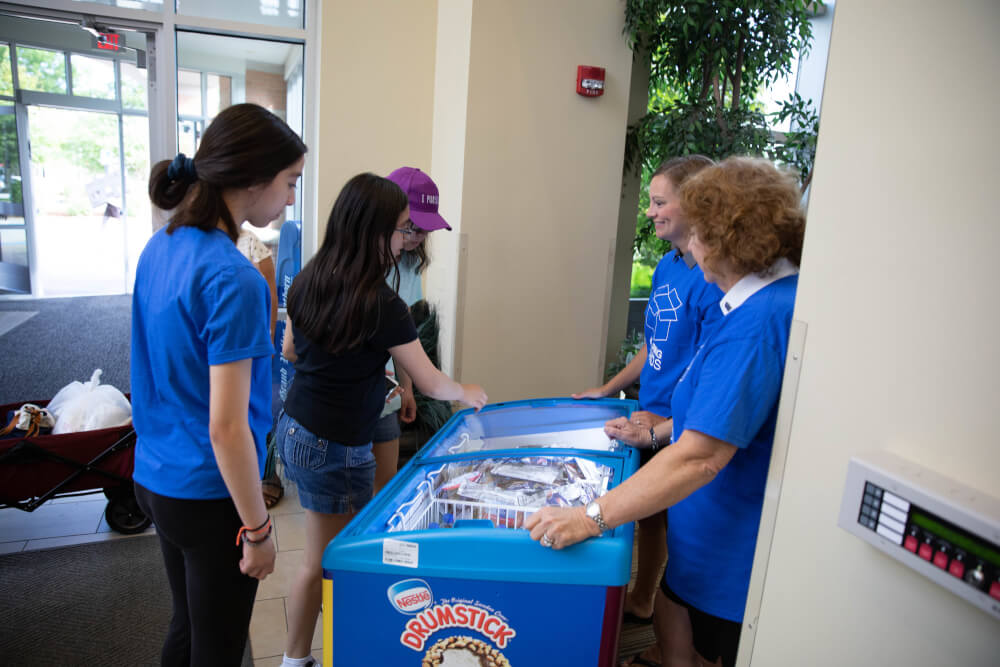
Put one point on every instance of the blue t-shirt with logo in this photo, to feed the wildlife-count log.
(197, 303)
(682, 306)
(730, 392)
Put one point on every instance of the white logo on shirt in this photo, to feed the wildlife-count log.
(655, 356)
(660, 314)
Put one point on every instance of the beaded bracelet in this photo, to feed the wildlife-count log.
(652, 436)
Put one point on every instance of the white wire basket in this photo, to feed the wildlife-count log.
(425, 512)
(426, 509)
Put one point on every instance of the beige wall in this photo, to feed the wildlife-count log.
(376, 91)
(900, 350)
(482, 94)
(541, 185)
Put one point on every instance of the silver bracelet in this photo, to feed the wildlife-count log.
(652, 435)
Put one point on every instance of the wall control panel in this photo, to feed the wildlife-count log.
(939, 527)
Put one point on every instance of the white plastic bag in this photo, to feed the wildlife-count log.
(87, 406)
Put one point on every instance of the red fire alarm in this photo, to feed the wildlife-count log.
(590, 81)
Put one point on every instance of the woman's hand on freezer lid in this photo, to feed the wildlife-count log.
(431, 381)
(473, 396)
(636, 430)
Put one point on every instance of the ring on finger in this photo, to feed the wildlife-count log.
(546, 541)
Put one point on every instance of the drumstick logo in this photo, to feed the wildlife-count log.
(442, 616)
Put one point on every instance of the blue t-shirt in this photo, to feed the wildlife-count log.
(682, 306)
(730, 392)
(410, 290)
(197, 303)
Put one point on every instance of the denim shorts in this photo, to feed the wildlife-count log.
(387, 428)
(331, 478)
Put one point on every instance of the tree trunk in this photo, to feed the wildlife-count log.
(738, 74)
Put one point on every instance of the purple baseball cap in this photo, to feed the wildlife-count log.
(423, 196)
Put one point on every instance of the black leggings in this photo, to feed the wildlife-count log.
(212, 599)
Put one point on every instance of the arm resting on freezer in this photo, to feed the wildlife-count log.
(672, 475)
(433, 382)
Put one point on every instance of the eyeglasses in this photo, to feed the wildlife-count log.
(410, 229)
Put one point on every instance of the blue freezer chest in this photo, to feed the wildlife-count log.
(438, 565)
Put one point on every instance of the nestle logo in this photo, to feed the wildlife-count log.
(410, 595)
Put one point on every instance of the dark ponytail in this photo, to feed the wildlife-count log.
(245, 145)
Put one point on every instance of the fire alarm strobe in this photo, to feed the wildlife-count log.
(590, 81)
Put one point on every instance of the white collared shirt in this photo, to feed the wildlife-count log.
(752, 283)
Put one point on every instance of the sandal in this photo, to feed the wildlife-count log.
(637, 659)
(273, 491)
(635, 619)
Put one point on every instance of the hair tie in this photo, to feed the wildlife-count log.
(182, 169)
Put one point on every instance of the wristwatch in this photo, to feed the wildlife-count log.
(594, 512)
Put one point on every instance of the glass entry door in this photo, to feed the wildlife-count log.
(15, 274)
(76, 116)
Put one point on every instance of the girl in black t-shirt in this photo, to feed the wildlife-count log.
(343, 323)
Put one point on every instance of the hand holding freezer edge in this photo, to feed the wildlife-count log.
(562, 526)
(622, 429)
(646, 419)
(473, 396)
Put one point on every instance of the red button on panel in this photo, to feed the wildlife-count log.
(925, 551)
(910, 543)
(957, 569)
(941, 560)
(995, 590)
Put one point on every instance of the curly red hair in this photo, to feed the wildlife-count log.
(747, 214)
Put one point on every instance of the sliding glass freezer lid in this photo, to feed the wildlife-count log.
(562, 423)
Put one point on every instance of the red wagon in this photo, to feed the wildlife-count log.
(35, 469)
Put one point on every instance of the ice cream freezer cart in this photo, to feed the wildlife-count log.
(438, 571)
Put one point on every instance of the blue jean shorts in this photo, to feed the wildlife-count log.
(387, 428)
(331, 478)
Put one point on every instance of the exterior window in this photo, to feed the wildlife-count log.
(93, 77)
(42, 70)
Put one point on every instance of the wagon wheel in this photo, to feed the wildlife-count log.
(123, 515)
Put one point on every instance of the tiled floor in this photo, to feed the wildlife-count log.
(78, 520)
(268, 624)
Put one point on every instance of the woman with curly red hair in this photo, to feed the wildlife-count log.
(747, 230)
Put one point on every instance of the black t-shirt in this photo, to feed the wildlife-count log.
(339, 397)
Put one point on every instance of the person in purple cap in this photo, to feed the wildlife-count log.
(422, 194)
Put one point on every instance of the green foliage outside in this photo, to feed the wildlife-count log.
(630, 346)
(711, 62)
(6, 80)
(42, 70)
(642, 280)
